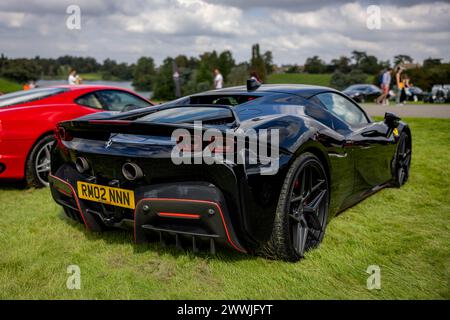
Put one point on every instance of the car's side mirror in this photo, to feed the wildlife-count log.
(391, 120)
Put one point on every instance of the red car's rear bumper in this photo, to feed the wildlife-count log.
(13, 154)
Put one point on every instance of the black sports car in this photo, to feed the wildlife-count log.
(363, 92)
(112, 170)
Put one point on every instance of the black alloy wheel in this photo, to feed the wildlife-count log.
(403, 160)
(302, 211)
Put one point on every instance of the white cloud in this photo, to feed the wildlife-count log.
(292, 29)
(12, 19)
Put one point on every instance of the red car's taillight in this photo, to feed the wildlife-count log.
(62, 134)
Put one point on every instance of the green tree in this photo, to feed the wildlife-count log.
(204, 73)
(358, 56)
(268, 61)
(225, 63)
(341, 64)
(402, 59)
(341, 80)
(314, 65)
(238, 75)
(21, 70)
(370, 65)
(257, 63)
(144, 73)
(431, 62)
(164, 86)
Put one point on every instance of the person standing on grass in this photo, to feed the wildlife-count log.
(399, 83)
(218, 79)
(385, 85)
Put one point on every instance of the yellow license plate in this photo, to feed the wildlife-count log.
(108, 195)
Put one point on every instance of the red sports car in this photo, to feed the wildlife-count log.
(27, 120)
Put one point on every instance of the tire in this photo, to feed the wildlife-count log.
(288, 241)
(402, 160)
(37, 166)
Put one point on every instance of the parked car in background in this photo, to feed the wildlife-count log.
(363, 92)
(439, 94)
(28, 119)
(415, 94)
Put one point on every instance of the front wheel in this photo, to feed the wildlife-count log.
(302, 210)
(38, 163)
(402, 160)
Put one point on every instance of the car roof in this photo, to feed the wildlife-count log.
(301, 90)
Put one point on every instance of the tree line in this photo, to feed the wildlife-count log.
(195, 74)
(359, 66)
(24, 69)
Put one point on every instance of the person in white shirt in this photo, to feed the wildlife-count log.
(73, 77)
(218, 79)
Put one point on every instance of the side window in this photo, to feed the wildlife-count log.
(116, 100)
(343, 108)
(89, 100)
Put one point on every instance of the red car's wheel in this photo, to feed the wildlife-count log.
(38, 163)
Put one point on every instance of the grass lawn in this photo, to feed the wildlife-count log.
(7, 86)
(404, 231)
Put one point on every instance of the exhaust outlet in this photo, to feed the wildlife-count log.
(131, 171)
(81, 164)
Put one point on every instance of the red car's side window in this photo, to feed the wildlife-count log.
(89, 100)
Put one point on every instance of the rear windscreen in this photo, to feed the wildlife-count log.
(189, 115)
(28, 95)
(228, 100)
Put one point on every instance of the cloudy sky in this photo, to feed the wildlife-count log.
(292, 29)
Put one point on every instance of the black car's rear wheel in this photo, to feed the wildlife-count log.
(403, 160)
(302, 210)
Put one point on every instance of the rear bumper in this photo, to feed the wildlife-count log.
(12, 158)
(194, 212)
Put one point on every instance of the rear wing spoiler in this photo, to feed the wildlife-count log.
(136, 114)
(101, 129)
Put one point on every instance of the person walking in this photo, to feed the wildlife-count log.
(399, 83)
(218, 79)
(385, 85)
